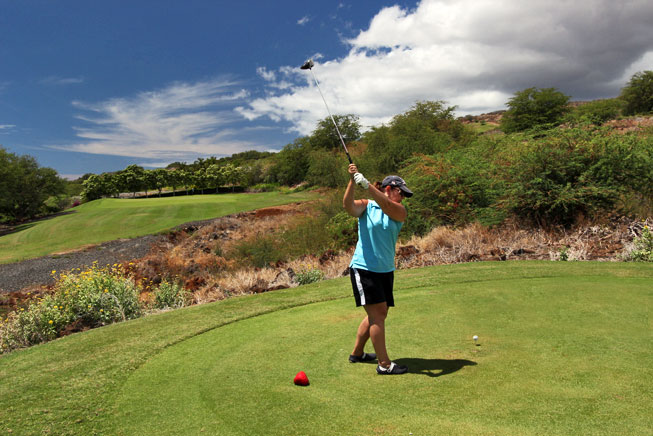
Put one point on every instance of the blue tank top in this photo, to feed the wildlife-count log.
(377, 237)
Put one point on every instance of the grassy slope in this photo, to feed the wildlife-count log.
(564, 350)
(109, 219)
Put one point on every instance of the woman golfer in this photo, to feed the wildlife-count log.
(372, 267)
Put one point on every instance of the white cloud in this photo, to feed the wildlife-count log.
(7, 126)
(70, 176)
(265, 74)
(302, 21)
(180, 122)
(471, 53)
(61, 81)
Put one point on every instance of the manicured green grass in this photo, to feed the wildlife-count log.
(564, 349)
(108, 219)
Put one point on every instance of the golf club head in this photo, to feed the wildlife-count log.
(307, 65)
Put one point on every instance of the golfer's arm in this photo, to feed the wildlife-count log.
(353, 207)
(396, 211)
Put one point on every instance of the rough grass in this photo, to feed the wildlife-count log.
(108, 219)
(563, 350)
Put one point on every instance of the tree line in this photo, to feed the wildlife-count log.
(135, 179)
(469, 176)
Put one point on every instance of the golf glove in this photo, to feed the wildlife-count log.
(361, 180)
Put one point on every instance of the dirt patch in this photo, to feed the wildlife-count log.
(75, 250)
(262, 213)
(636, 124)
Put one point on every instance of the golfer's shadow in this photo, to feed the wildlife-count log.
(434, 367)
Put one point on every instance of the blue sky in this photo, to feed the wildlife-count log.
(93, 86)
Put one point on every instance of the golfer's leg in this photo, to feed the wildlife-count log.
(376, 314)
(362, 335)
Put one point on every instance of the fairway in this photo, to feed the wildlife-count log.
(564, 349)
(108, 219)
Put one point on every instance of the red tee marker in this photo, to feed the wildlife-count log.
(301, 379)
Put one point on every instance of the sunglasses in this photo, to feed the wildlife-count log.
(400, 191)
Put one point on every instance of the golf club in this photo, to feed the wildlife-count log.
(308, 65)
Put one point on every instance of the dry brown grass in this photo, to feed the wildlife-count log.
(200, 258)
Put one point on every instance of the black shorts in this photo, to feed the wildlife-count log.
(372, 287)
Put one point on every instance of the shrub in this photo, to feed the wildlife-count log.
(642, 250)
(259, 251)
(56, 203)
(534, 107)
(264, 187)
(326, 168)
(455, 188)
(638, 94)
(92, 298)
(553, 178)
(596, 112)
(170, 296)
(343, 230)
(99, 296)
(309, 275)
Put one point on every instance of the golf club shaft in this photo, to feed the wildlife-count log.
(332, 119)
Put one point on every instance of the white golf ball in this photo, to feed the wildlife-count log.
(475, 338)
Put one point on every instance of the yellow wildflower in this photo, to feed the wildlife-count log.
(50, 322)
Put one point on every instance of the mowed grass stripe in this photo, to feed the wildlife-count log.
(108, 219)
(563, 351)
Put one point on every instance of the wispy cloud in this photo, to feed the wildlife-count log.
(304, 20)
(61, 81)
(180, 122)
(445, 51)
(5, 129)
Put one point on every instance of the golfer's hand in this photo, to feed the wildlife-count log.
(352, 170)
(361, 181)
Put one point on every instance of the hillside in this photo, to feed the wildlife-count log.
(196, 253)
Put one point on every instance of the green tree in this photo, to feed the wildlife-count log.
(232, 175)
(327, 168)
(149, 181)
(131, 179)
(159, 179)
(291, 163)
(94, 188)
(638, 94)
(174, 178)
(325, 135)
(215, 176)
(426, 128)
(185, 178)
(111, 183)
(201, 180)
(24, 186)
(534, 107)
